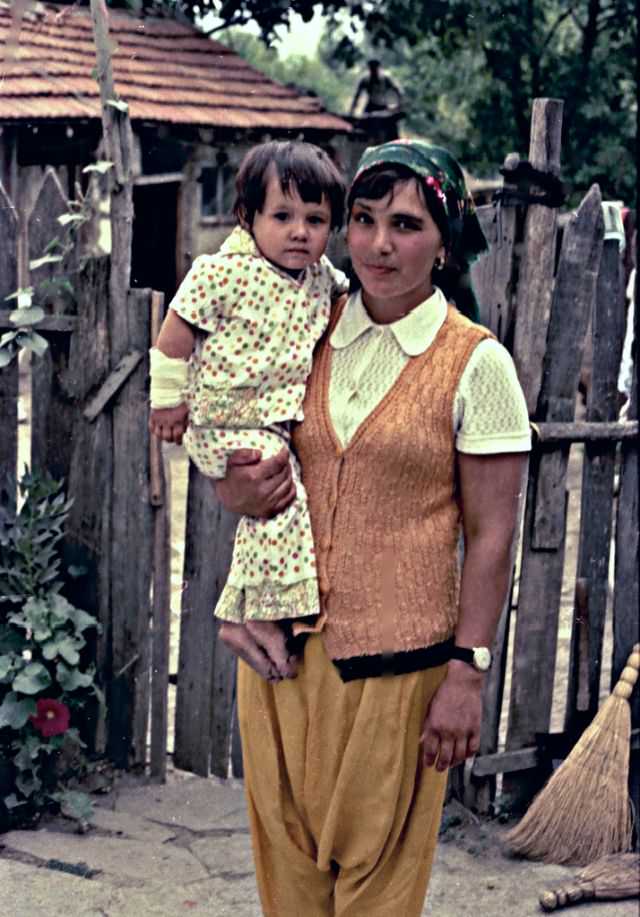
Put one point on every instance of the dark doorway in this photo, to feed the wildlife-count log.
(155, 226)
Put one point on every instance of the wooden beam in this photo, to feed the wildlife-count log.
(505, 761)
(114, 382)
(536, 630)
(582, 431)
(160, 498)
(535, 281)
(50, 323)
(165, 178)
(597, 492)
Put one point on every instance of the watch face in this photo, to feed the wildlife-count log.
(482, 658)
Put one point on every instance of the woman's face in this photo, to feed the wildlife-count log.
(393, 243)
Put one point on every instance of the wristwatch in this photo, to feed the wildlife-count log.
(477, 656)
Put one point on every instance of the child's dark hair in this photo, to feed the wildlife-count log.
(309, 168)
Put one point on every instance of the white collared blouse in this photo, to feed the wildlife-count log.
(489, 411)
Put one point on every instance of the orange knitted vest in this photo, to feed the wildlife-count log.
(384, 510)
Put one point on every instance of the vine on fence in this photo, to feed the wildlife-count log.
(26, 315)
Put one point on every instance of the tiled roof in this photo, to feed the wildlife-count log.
(166, 71)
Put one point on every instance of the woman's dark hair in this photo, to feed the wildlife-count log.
(309, 168)
(453, 278)
(381, 180)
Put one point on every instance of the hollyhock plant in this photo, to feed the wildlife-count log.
(51, 717)
(47, 686)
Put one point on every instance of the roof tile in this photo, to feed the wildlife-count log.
(165, 70)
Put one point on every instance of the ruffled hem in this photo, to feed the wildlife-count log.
(268, 602)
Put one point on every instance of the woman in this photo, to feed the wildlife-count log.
(414, 427)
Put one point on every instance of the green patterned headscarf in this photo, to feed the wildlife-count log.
(443, 175)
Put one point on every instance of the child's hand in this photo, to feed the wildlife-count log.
(169, 424)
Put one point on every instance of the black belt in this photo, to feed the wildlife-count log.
(394, 663)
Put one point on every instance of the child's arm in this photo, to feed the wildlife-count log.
(169, 359)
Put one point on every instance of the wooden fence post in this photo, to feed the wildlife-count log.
(9, 375)
(535, 281)
(90, 474)
(626, 623)
(160, 498)
(596, 517)
(535, 640)
(206, 669)
(132, 524)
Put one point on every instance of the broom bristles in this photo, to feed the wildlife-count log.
(583, 812)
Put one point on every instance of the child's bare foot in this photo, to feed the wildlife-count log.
(271, 640)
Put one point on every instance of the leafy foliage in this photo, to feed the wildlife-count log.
(330, 81)
(470, 69)
(43, 682)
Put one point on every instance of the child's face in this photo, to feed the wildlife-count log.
(290, 232)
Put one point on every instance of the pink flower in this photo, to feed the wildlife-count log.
(437, 187)
(51, 717)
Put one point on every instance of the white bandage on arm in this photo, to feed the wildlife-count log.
(168, 379)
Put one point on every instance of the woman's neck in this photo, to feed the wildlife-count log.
(386, 311)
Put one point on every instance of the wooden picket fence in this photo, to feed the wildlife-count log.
(89, 425)
(88, 410)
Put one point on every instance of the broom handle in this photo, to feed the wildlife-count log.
(567, 895)
(629, 675)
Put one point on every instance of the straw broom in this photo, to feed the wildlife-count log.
(610, 878)
(583, 812)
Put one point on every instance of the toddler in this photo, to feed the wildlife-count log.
(234, 352)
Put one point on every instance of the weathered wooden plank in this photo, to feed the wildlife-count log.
(58, 323)
(223, 687)
(119, 149)
(112, 384)
(51, 420)
(8, 375)
(237, 766)
(499, 763)
(481, 792)
(596, 513)
(9, 236)
(9, 381)
(572, 295)
(535, 280)
(577, 708)
(626, 600)
(161, 633)
(45, 234)
(582, 431)
(492, 275)
(88, 534)
(132, 526)
(535, 640)
(160, 498)
(205, 690)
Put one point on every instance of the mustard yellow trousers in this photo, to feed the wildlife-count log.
(344, 818)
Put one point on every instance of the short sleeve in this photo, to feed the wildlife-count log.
(200, 299)
(490, 411)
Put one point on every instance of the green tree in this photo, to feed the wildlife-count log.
(471, 67)
(331, 83)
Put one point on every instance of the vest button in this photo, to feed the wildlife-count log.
(325, 543)
(324, 585)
